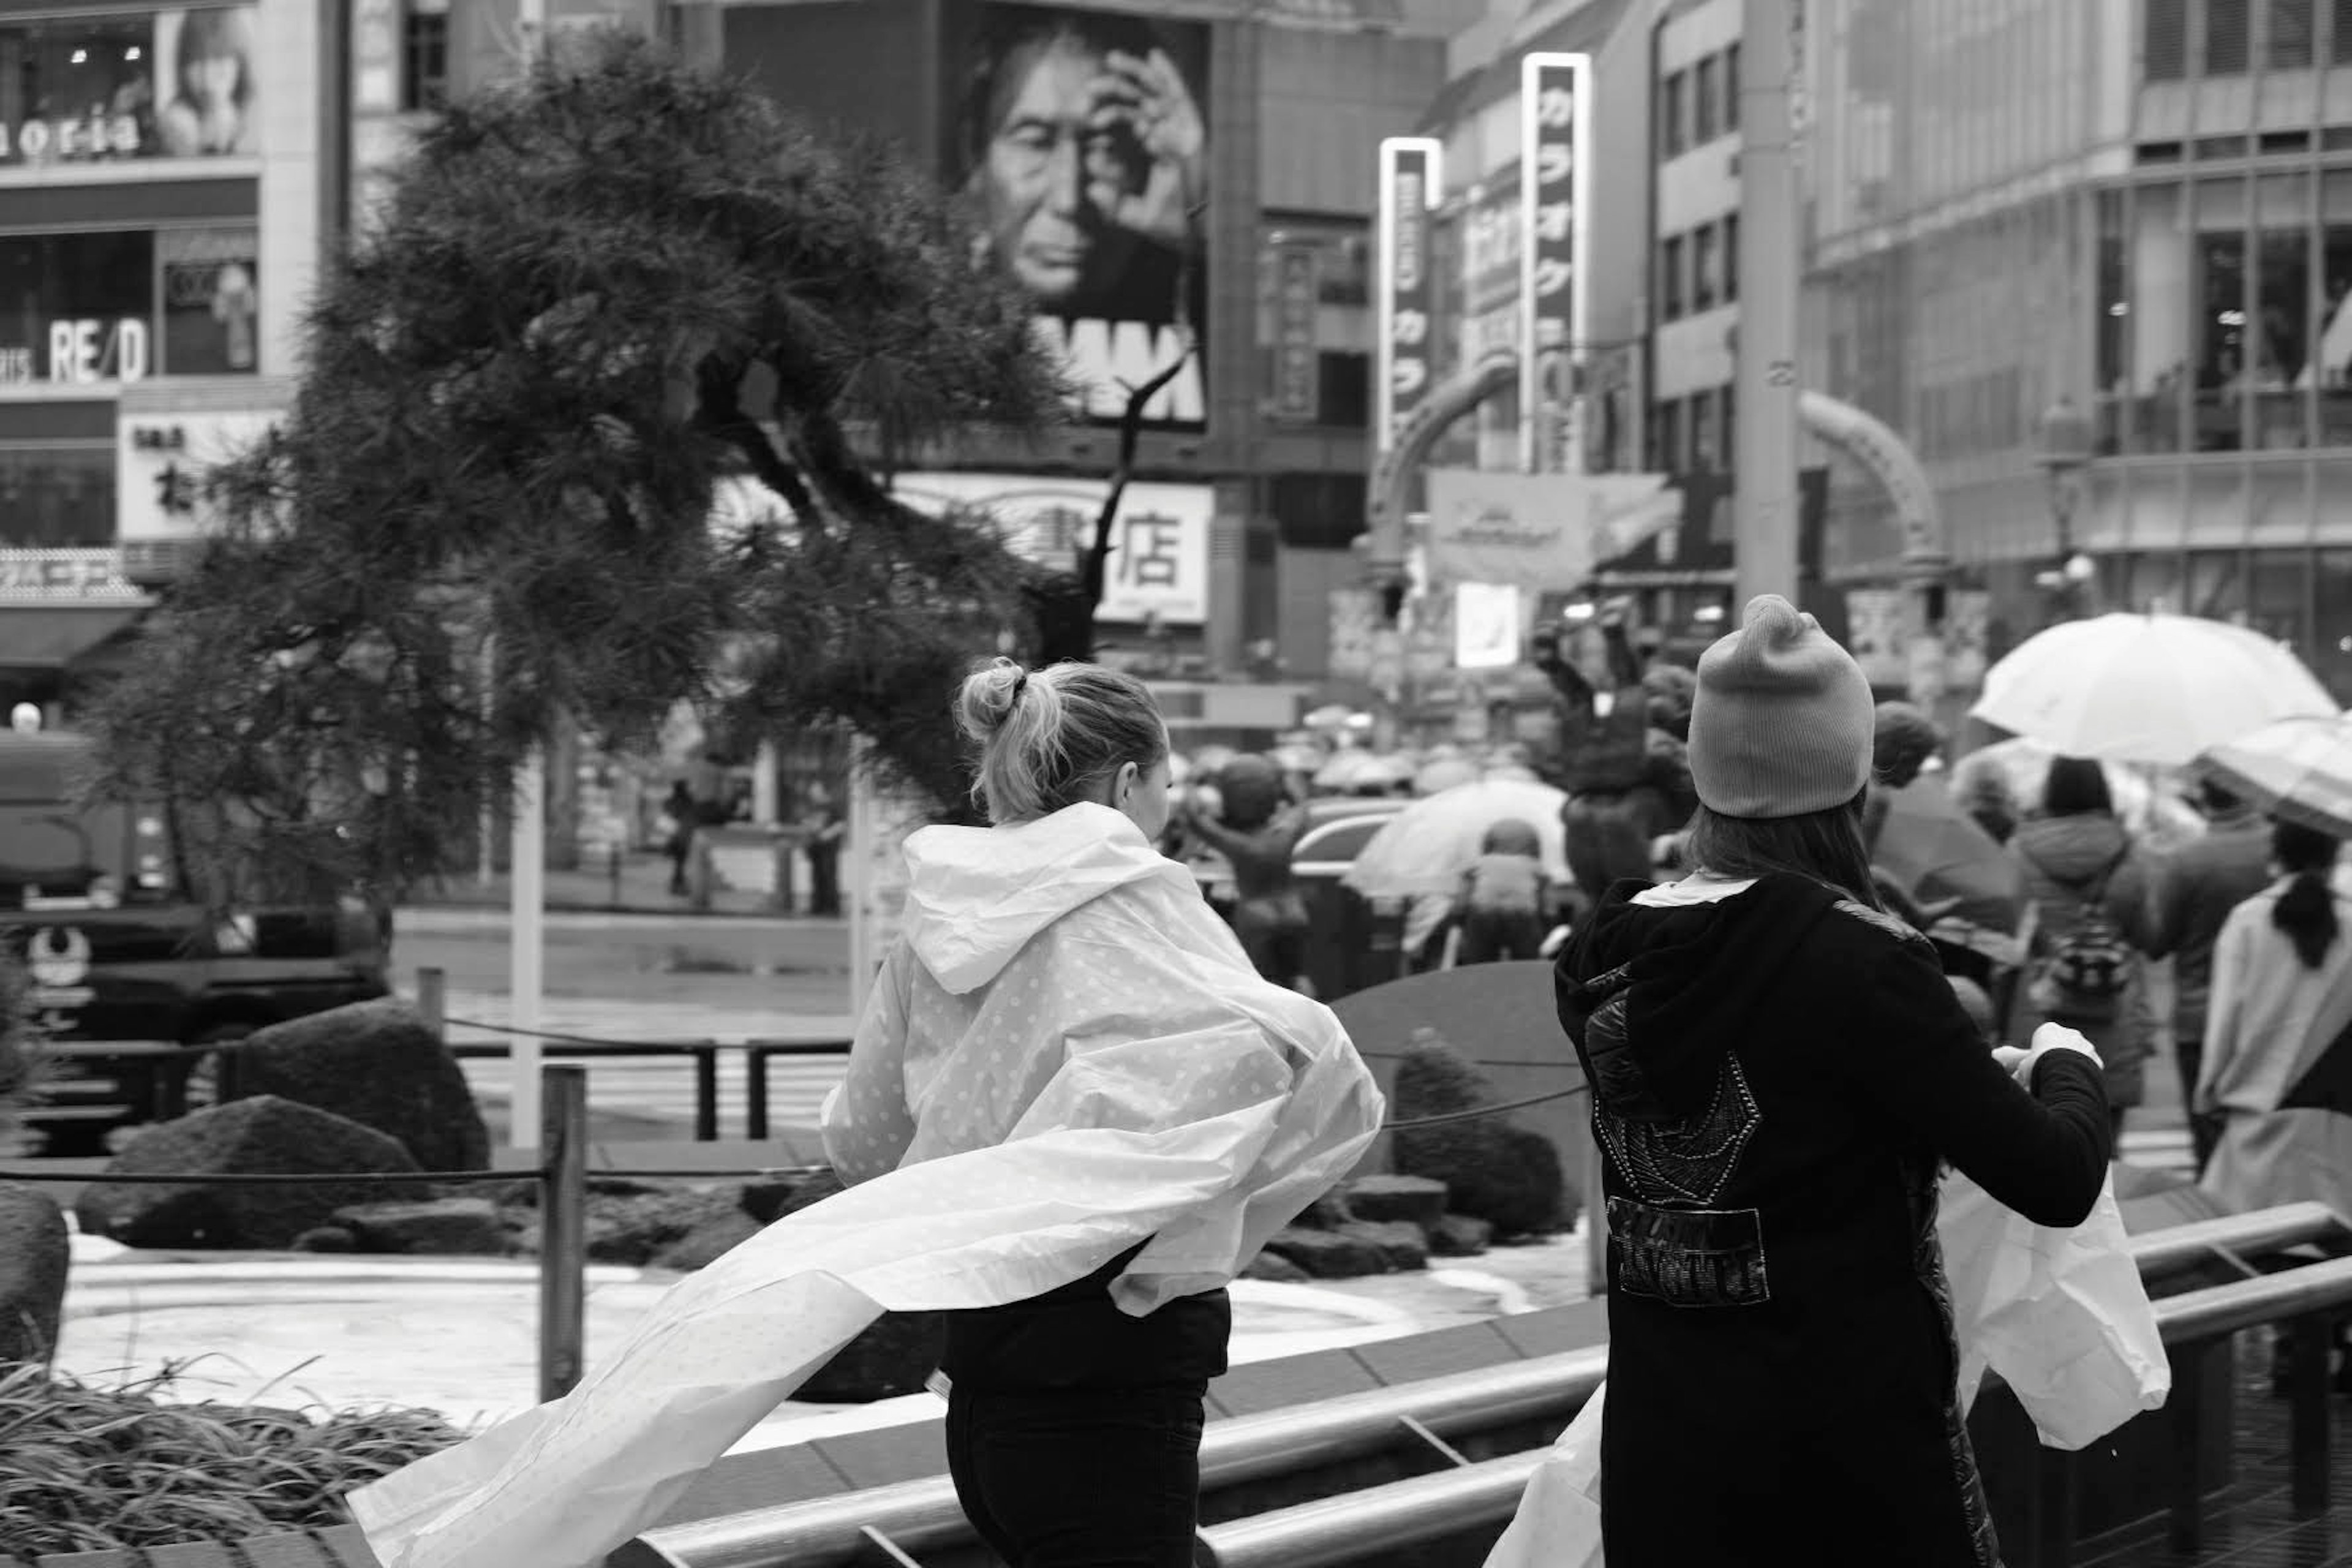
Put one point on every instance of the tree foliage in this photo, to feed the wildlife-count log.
(593, 293)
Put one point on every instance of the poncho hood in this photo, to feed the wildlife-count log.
(976, 895)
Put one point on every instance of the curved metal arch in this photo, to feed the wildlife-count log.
(1868, 440)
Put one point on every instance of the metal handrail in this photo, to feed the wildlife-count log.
(921, 1514)
(1338, 1530)
(2253, 1234)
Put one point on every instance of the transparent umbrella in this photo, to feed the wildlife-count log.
(1425, 848)
(2152, 689)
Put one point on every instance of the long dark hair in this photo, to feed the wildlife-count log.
(1822, 847)
(2076, 786)
(2306, 910)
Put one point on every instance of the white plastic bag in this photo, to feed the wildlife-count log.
(2060, 1314)
(1559, 1521)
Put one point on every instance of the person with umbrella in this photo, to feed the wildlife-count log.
(2197, 887)
(2089, 883)
(2276, 1073)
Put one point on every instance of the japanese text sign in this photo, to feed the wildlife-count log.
(1297, 289)
(1159, 565)
(1556, 113)
(1410, 178)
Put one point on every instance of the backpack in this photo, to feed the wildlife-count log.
(2093, 963)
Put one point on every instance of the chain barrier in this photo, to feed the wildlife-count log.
(687, 1047)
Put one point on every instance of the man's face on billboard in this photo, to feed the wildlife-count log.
(1058, 166)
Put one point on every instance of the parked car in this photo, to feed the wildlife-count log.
(92, 903)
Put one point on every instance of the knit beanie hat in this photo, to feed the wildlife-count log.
(1783, 721)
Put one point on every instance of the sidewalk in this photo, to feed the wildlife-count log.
(638, 884)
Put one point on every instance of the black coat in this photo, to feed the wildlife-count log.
(1779, 1077)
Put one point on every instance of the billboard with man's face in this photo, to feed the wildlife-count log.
(1083, 151)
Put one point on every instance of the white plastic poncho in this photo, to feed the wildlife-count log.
(1066, 1053)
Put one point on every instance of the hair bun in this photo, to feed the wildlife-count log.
(990, 695)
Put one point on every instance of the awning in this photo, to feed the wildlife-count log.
(52, 636)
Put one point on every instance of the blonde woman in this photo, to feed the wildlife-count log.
(1074, 1420)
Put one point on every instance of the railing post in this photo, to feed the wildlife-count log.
(2307, 1411)
(755, 1091)
(432, 1001)
(563, 1228)
(2184, 1410)
(706, 1091)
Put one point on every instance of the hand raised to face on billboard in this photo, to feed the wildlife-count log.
(1148, 97)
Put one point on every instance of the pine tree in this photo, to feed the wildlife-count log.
(593, 293)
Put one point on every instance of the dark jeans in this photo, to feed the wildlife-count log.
(1492, 936)
(1084, 1479)
(2205, 1130)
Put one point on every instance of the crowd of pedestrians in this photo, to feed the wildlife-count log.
(1808, 968)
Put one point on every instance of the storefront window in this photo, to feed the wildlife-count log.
(121, 305)
(2276, 607)
(2290, 45)
(77, 308)
(2218, 260)
(2331, 644)
(2113, 378)
(2153, 582)
(2217, 585)
(2161, 317)
(2282, 342)
(2229, 43)
(2331, 360)
(61, 497)
(167, 83)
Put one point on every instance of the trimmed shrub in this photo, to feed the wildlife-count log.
(1492, 1169)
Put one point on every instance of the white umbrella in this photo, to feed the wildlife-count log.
(2298, 769)
(2145, 689)
(1425, 848)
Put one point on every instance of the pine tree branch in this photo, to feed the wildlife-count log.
(718, 410)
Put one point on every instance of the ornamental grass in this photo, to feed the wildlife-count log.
(84, 1467)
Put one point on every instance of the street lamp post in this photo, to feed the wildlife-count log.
(2065, 453)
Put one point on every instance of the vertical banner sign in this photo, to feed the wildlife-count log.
(1555, 129)
(1297, 289)
(1409, 189)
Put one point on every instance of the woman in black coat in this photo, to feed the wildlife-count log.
(1780, 1071)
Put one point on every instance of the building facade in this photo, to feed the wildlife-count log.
(160, 184)
(2140, 210)
(1252, 462)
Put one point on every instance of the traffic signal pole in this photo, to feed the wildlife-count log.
(1764, 454)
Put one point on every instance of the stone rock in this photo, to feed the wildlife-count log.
(1329, 1212)
(35, 1254)
(708, 1242)
(1401, 1244)
(1416, 1200)
(1272, 1266)
(1327, 1253)
(375, 1063)
(262, 1133)
(764, 1200)
(523, 1193)
(1459, 1235)
(813, 1189)
(325, 1238)
(1492, 1169)
(463, 1226)
(632, 1230)
(893, 1357)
